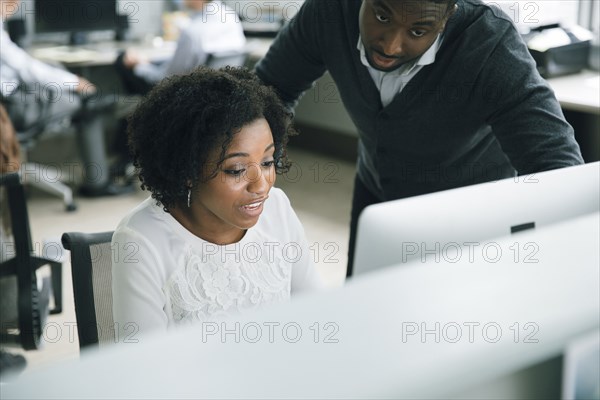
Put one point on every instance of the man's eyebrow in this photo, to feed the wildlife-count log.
(424, 23)
(240, 154)
(381, 4)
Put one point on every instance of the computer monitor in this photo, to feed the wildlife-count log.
(446, 331)
(77, 17)
(581, 368)
(445, 223)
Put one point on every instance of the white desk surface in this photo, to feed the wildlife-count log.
(578, 92)
(558, 295)
(105, 53)
(100, 53)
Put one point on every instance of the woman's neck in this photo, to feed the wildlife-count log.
(215, 235)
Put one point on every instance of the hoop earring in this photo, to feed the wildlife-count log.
(189, 197)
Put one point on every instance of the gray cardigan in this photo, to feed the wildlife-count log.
(480, 112)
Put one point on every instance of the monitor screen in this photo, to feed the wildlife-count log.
(53, 16)
(453, 223)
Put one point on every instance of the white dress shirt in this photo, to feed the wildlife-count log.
(391, 83)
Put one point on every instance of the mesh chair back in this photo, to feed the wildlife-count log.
(103, 300)
(91, 270)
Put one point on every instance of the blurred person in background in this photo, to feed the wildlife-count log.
(213, 28)
(25, 82)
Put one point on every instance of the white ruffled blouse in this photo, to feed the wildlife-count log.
(164, 276)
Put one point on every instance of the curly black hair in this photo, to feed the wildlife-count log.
(186, 117)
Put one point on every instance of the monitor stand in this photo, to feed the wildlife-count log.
(78, 38)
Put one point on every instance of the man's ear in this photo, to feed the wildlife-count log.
(449, 14)
(451, 11)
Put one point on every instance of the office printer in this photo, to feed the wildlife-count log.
(559, 50)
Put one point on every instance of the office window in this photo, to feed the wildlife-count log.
(589, 13)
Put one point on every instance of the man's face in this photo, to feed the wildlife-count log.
(398, 31)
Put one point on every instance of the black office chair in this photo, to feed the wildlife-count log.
(24, 305)
(28, 133)
(91, 270)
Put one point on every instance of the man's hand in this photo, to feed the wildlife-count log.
(133, 58)
(85, 87)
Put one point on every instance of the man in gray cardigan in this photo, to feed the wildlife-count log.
(443, 93)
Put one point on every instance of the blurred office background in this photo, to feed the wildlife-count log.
(151, 22)
(320, 186)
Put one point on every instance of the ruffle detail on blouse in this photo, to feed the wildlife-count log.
(210, 287)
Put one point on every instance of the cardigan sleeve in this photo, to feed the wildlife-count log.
(294, 62)
(525, 115)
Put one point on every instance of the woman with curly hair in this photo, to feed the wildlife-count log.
(215, 238)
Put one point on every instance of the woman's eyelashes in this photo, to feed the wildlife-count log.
(234, 172)
(268, 164)
(241, 169)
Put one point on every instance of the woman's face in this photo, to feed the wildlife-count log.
(232, 201)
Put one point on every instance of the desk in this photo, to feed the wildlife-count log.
(100, 53)
(578, 92)
(366, 351)
(579, 97)
(94, 61)
(105, 53)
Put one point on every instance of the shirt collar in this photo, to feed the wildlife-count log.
(426, 58)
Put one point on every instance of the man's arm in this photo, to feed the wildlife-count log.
(294, 61)
(186, 57)
(32, 71)
(527, 118)
(143, 68)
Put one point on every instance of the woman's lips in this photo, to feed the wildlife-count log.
(253, 209)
